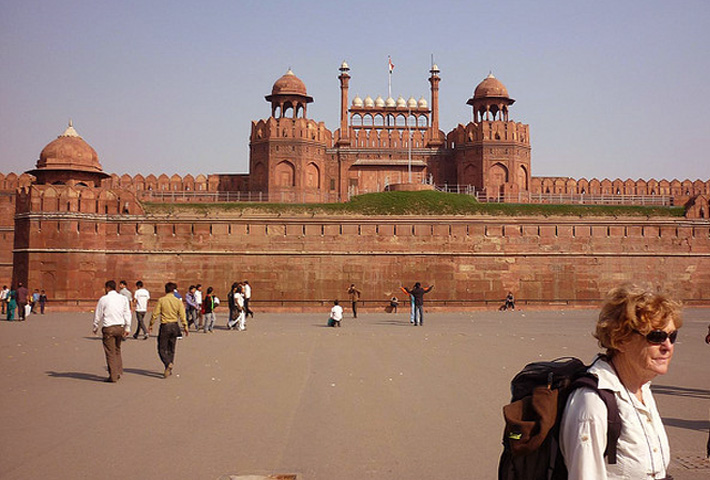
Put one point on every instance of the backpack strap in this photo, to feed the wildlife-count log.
(613, 417)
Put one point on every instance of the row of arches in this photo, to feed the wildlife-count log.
(285, 176)
(561, 185)
(373, 138)
(390, 120)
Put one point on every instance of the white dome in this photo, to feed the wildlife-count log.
(412, 102)
(357, 101)
(390, 102)
(401, 102)
(379, 103)
(344, 66)
(423, 103)
(369, 103)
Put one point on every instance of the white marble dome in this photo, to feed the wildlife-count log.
(390, 102)
(401, 102)
(357, 101)
(369, 102)
(422, 103)
(412, 103)
(379, 103)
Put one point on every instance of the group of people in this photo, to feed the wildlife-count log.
(416, 295)
(19, 299)
(238, 300)
(113, 316)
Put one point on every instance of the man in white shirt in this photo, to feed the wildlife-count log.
(140, 300)
(336, 314)
(198, 301)
(3, 297)
(247, 298)
(113, 316)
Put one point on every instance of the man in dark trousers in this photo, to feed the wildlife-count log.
(418, 293)
(22, 294)
(171, 311)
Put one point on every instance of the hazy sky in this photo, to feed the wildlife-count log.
(609, 88)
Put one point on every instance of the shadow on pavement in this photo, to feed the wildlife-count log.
(145, 373)
(699, 425)
(78, 375)
(681, 391)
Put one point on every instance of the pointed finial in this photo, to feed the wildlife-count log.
(70, 132)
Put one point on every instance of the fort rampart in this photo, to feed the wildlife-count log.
(69, 241)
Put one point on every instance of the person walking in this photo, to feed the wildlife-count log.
(354, 294)
(171, 312)
(3, 298)
(198, 302)
(418, 293)
(21, 295)
(42, 301)
(208, 318)
(113, 317)
(140, 300)
(11, 303)
(246, 290)
(191, 307)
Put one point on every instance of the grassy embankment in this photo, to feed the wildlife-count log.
(414, 203)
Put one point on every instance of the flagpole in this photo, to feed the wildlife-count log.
(389, 77)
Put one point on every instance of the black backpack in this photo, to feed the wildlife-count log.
(540, 391)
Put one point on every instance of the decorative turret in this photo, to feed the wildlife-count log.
(68, 160)
(490, 100)
(289, 94)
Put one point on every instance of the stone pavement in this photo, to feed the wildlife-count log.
(375, 399)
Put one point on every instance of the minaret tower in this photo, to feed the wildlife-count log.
(434, 79)
(344, 81)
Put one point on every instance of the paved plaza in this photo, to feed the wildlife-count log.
(375, 399)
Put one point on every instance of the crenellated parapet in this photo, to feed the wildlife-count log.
(164, 183)
(489, 130)
(13, 181)
(570, 186)
(67, 199)
(290, 128)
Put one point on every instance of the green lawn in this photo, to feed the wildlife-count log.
(414, 203)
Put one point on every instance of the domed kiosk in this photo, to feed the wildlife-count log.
(490, 100)
(289, 95)
(68, 160)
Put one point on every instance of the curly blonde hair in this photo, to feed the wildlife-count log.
(630, 308)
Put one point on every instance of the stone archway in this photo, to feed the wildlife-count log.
(496, 178)
(285, 174)
(312, 176)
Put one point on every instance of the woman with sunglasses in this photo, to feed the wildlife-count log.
(638, 329)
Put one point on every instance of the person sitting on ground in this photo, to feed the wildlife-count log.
(336, 315)
(510, 301)
(394, 303)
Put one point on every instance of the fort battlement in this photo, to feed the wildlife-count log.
(69, 239)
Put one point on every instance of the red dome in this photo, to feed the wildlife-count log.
(69, 152)
(289, 84)
(490, 87)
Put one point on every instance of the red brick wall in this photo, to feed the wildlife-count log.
(305, 258)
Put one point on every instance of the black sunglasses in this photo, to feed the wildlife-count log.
(657, 337)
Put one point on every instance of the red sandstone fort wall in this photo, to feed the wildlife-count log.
(71, 252)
